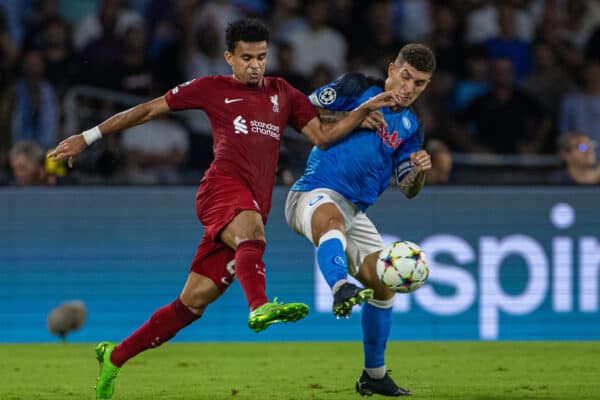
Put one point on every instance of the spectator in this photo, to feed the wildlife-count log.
(549, 31)
(8, 57)
(286, 68)
(446, 42)
(579, 23)
(135, 74)
(476, 82)
(286, 19)
(441, 163)
(508, 45)
(578, 152)
(54, 43)
(204, 56)
(318, 43)
(482, 21)
(412, 19)
(36, 111)
(215, 12)
(375, 41)
(506, 120)
(111, 18)
(155, 152)
(580, 111)
(549, 80)
(171, 28)
(27, 165)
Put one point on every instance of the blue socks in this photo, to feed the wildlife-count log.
(331, 256)
(376, 325)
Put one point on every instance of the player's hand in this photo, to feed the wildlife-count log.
(421, 160)
(374, 121)
(385, 99)
(68, 149)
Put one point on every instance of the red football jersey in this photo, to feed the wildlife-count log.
(247, 125)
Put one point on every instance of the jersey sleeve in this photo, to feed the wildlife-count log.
(342, 94)
(301, 111)
(402, 163)
(188, 95)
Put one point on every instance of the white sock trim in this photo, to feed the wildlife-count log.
(382, 303)
(334, 234)
(376, 373)
(337, 285)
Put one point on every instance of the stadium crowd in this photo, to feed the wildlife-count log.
(512, 77)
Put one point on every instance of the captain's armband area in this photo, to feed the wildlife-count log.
(410, 180)
(402, 170)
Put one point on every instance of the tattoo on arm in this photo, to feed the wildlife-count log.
(329, 116)
(412, 183)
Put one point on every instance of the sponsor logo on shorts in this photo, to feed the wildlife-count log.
(315, 200)
(339, 261)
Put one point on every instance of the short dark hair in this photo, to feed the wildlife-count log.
(246, 30)
(417, 55)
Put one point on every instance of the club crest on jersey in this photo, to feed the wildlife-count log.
(392, 140)
(275, 102)
(327, 96)
(406, 123)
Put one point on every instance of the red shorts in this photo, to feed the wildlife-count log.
(218, 201)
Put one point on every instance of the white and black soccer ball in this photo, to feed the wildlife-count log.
(402, 266)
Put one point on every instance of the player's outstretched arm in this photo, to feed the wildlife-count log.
(324, 134)
(75, 144)
(373, 121)
(413, 181)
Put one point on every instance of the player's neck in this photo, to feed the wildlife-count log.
(259, 84)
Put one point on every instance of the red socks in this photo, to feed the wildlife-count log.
(250, 271)
(162, 326)
(170, 319)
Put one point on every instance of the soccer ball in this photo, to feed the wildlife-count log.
(402, 267)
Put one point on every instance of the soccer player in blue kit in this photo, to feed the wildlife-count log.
(327, 204)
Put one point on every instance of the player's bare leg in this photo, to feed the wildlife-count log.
(198, 292)
(246, 235)
(376, 324)
(328, 234)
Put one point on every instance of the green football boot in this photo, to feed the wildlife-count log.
(108, 371)
(270, 313)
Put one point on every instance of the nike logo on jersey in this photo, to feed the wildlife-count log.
(229, 101)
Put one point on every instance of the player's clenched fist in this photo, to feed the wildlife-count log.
(68, 148)
(421, 160)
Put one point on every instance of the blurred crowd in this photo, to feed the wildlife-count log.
(514, 77)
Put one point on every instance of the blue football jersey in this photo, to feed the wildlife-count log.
(360, 166)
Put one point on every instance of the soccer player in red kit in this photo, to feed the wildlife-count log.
(248, 113)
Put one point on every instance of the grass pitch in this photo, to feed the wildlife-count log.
(297, 371)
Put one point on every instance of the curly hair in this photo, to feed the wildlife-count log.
(417, 55)
(246, 30)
